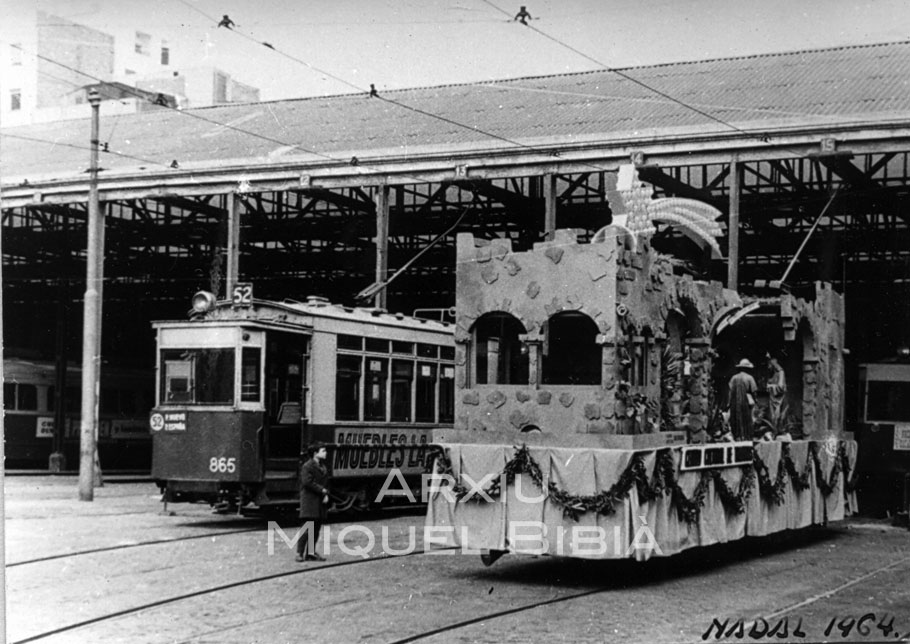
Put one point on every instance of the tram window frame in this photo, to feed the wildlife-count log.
(376, 345)
(446, 397)
(13, 396)
(347, 342)
(401, 398)
(384, 397)
(887, 401)
(202, 388)
(348, 407)
(425, 392)
(376, 389)
(250, 364)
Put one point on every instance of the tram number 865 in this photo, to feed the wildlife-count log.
(222, 464)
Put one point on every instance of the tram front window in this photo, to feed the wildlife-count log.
(197, 376)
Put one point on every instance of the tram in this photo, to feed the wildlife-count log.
(245, 385)
(884, 435)
(594, 415)
(30, 399)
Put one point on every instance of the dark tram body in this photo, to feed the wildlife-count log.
(31, 397)
(884, 435)
(243, 389)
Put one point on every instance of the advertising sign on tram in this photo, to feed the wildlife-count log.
(366, 451)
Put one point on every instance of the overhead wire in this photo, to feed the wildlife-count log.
(79, 147)
(759, 135)
(354, 161)
(374, 94)
(664, 95)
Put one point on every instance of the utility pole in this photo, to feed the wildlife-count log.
(91, 320)
(2, 473)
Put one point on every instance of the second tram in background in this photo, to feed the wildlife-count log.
(30, 400)
(245, 385)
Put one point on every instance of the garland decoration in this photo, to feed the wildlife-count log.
(735, 501)
(663, 482)
(800, 481)
(841, 464)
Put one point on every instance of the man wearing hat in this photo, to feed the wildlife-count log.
(742, 390)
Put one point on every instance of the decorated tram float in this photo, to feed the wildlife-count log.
(593, 411)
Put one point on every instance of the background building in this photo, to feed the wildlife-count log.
(33, 89)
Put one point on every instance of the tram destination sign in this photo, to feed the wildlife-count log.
(902, 438)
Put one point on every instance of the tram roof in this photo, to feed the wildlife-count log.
(367, 316)
(851, 86)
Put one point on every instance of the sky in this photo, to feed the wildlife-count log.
(324, 47)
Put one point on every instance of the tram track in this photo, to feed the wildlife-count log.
(208, 591)
(453, 627)
(125, 546)
(448, 628)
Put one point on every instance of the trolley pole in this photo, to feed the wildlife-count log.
(91, 320)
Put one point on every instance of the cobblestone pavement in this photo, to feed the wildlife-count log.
(849, 570)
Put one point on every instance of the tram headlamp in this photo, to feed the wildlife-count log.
(203, 302)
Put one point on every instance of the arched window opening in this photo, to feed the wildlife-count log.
(571, 355)
(499, 356)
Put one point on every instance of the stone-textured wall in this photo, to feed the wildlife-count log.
(818, 324)
(627, 289)
(556, 276)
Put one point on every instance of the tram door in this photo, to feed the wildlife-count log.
(286, 370)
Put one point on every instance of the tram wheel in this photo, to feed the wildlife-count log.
(342, 504)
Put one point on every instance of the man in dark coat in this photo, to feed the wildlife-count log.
(314, 499)
(742, 392)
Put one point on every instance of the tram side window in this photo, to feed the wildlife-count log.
(402, 376)
(347, 387)
(350, 342)
(20, 396)
(447, 393)
(377, 370)
(27, 397)
(199, 376)
(889, 401)
(250, 383)
(426, 393)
